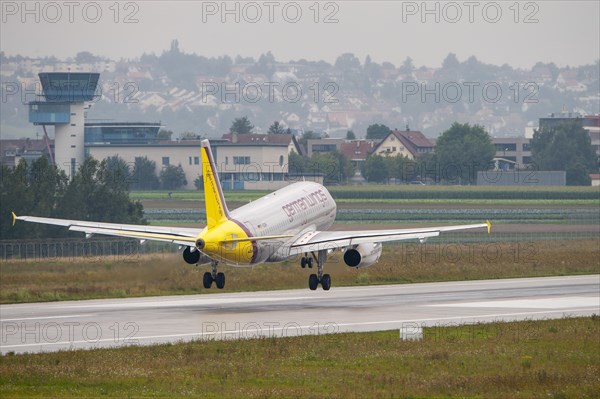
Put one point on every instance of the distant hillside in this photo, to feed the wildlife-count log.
(192, 93)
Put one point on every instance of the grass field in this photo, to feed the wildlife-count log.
(531, 359)
(167, 274)
(411, 194)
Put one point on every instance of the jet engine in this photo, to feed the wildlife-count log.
(362, 255)
(195, 257)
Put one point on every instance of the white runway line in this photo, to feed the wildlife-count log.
(117, 322)
(544, 303)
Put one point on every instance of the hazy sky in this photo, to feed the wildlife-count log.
(518, 33)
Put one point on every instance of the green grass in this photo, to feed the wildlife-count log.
(167, 274)
(531, 359)
(458, 201)
(404, 191)
(192, 195)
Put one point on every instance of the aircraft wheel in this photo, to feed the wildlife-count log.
(220, 280)
(207, 280)
(326, 282)
(309, 262)
(313, 282)
(303, 262)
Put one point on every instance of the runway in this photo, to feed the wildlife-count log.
(53, 326)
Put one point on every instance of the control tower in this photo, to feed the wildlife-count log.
(64, 96)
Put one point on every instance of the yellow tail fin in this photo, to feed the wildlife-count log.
(216, 208)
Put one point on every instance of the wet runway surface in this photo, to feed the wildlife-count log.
(141, 321)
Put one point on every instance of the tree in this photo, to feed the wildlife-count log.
(297, 164)
(350, 135)
(578, 175)
(334, 167)
(42, 189)
(241, 126)
(565, 147)
(451, 62)
(347, 61)
(424, 168)
(400, 168)
(407, 66)
(378, 132)
(199, 182)
(85, 57)
(164, 134)
(172, 177)
(375, 169)
(308, 135)
(118, 172)
(144, 174)
(190, 136)
(346, 168)
(276, 128)
(29, 189)
(265, 64)
(372, 69)
(91, 195)
(462, 151)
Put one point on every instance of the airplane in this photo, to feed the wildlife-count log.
(283, 224)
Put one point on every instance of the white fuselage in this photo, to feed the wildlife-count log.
(292, 210)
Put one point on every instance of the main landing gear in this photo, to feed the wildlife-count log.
(306, 261)
(218, 278)
(315, 279)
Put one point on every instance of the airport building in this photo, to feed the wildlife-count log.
(591, 123)
(246, 161)
(62, 105)
(512, 152)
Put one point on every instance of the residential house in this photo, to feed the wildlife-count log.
(408, 143)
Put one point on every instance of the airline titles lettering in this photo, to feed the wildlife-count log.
(294, 208)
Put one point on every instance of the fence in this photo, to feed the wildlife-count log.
(91, 249)
(95, 250)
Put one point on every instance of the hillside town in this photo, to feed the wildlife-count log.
(192, 94)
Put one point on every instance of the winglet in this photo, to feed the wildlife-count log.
(216, 208)
(489, 226)
(14, 216)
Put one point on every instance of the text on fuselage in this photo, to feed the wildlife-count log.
(294, 208)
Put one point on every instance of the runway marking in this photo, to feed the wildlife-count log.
(542, 303)
(49, 317)
(232, 332)
(581, 301)
(563, 311)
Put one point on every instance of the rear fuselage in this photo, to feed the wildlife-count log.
(292, 210)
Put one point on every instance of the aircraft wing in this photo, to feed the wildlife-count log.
(177, 235)
(324, 240)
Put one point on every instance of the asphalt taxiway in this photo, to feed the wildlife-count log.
(41, 327)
